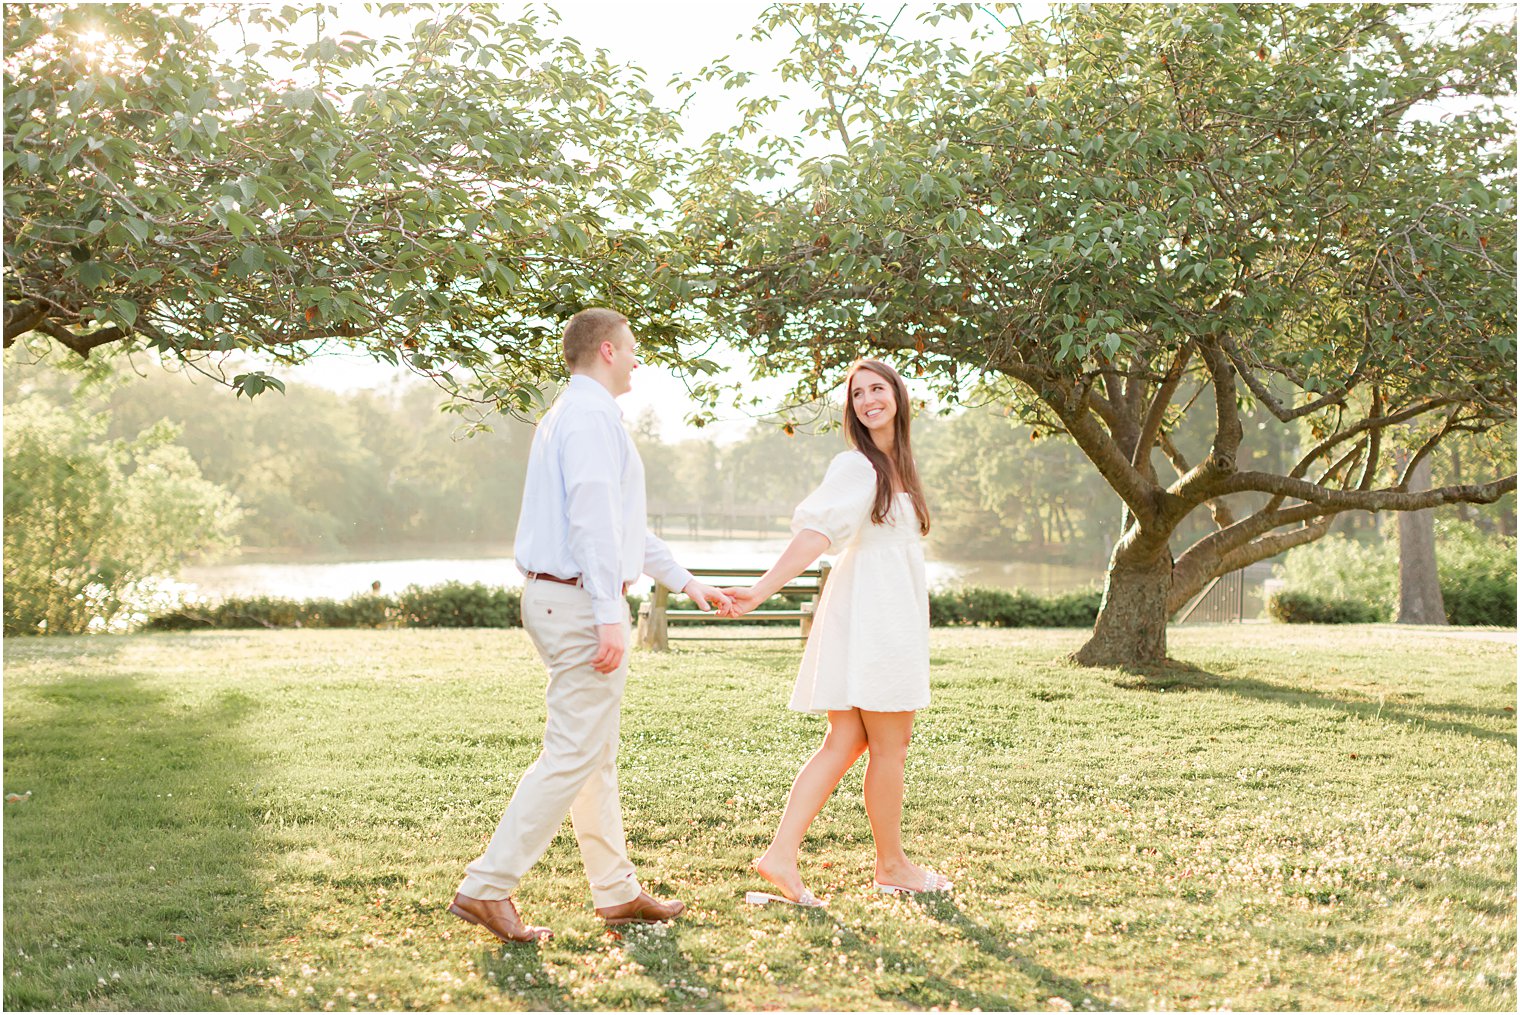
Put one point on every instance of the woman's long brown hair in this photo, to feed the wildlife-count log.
(901, 460)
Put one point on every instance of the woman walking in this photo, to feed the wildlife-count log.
(866, 665)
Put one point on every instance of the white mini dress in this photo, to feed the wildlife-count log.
(869, 646)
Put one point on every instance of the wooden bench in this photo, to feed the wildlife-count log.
(656, 616)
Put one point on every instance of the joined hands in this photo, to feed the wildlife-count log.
(708, 598)
(741, 602)
(732, 602)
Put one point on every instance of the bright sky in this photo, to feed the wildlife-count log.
(669, 38)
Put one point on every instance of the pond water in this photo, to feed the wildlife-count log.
(311, 576)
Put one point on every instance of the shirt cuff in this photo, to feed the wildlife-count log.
(680, 576)
(609, 611)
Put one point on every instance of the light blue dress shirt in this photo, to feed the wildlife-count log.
(583, 509)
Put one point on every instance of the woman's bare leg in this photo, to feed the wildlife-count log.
(887, 736)
(842, 747)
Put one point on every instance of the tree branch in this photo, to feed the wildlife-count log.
(1227, 429)
(1275, 407)
(1351, 456)
(1222, 514)
(1173, 454)
(21, 316)
(1202, 482)
(1272, 545)
(1427, 448)
(1159, 404)
(1099, 446)
(1111, 405)
(1368, 500)
(83, 345)
(1375, 442)
(1235, 547)
(1370, 423)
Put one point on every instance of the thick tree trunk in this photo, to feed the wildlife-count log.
(1131, 627)
(1420, 599)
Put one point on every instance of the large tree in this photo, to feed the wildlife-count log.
(442, 198)
(1128, 214)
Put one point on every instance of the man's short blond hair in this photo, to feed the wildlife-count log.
(587, 330)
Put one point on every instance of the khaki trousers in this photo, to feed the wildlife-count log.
(577, 770)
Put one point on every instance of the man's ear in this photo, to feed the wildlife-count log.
(605, 351)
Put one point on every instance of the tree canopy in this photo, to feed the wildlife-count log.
(441, 200)
(1128, 214)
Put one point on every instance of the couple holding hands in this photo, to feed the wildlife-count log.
(583, 538)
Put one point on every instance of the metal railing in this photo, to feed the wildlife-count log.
(1222, 601)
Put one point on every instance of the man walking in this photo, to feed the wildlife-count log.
(582, 538)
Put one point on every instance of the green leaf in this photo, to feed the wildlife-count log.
(79, 96)
(256, 383)
(91, 274)
(238, 224)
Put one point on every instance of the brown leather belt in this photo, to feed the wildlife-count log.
(542, 577)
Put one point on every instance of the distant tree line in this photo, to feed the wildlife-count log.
(1001, 488)
(317, 471)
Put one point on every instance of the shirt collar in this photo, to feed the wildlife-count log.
(588, 387)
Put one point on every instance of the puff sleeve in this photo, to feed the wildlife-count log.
(841, 506)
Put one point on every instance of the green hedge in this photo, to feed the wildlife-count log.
(990, 607)
(1339, 581)
(973, 606)
(455, 604)
(1306, 608)
(1477, 575)
(1479, 600)
(271, 611)
(451, 604)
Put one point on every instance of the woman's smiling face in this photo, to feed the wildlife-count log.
(872, 399)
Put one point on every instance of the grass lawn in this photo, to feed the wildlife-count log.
(1313, 818)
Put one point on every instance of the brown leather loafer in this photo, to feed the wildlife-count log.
(499, 917)
(645, 909)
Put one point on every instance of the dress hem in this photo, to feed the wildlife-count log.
(839, 708)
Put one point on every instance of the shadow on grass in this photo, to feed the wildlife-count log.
(1173, 675)
(1179, 676)
(1263, 690)
(941, 906)
(127, 873)
(514, 965)
(659, 951)
(904, 977)
(75, 649)
(927, 988)
(519, 972)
